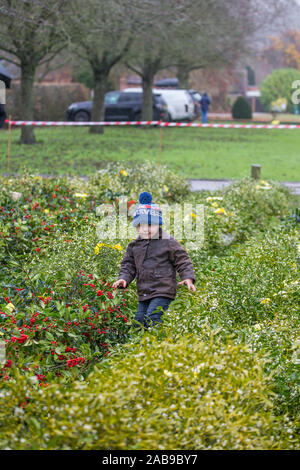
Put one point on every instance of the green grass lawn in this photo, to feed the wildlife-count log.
(193, 152)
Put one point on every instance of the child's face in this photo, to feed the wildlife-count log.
(147, 230)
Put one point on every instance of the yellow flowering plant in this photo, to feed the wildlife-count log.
(99, 246)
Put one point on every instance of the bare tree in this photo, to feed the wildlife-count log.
(29, 37)
(214, 36)
(194, 34)
(188, 35)
(222, 32)
(60, 61)
(100, 33)
(158, 24)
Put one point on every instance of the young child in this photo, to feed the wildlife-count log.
(153, 258)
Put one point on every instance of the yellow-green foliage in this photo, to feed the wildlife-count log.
(117, 178)
(183, 394)
(220, 373)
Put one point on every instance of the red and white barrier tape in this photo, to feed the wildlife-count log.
(231, 126)
(83, 123)
(152, 123)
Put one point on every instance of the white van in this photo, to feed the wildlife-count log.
(179, 102)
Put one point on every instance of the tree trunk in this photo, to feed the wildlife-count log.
(98, 111)
(27, 82)
(183, 76)
(147, 108)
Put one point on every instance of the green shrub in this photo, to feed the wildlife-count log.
(245, 208)
(257, 204)
(172, 389)
(279, 85)
(116, 179)
(251, 294)
(241, 109)
(186, 394)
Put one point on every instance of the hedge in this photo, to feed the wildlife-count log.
(185, 394)
(221, 372)
(50, 101)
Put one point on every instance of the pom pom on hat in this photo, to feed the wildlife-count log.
(147, 212)
(145, 198)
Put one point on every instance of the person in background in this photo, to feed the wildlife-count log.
(204, 103)
(2, 115)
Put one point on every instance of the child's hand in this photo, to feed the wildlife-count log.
(189, 283)
(119, 282)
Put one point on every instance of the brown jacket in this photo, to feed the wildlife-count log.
(154, 263)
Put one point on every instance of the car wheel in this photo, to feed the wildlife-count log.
(82, 116)
(137, 117)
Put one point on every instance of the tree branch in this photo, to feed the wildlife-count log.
(10, 60)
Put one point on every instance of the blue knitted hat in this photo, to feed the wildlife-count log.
(147, 212)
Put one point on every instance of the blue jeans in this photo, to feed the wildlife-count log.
(204, 117)
(146, 314)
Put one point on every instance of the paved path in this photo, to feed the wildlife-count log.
(257, 117)
(205, 184)
(212, 185)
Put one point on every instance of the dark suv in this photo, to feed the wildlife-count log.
(119, 106)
